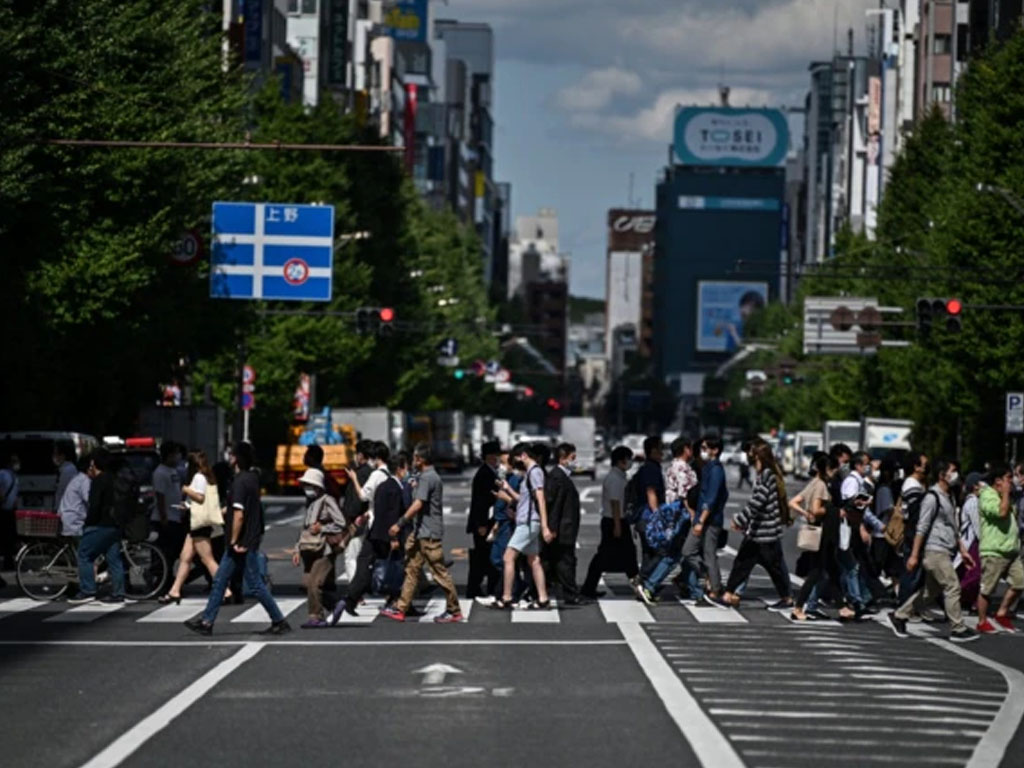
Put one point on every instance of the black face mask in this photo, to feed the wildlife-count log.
(521, 466)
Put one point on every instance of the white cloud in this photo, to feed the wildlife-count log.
(597, 89)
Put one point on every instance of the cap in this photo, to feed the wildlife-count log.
(313, 477)
(974, 479)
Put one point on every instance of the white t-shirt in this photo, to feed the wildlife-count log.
(852, 485)
(167, 481)
(613, 489)
(199, 483)
(376, 477)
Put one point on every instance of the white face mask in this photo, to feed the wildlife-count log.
(876, 473)
(311, 494)
(705, 455)
(952, 478)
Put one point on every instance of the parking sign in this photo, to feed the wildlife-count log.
(1014, 413)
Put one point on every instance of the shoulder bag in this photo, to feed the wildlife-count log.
(808, 538)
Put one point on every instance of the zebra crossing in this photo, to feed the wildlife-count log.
(616, 609)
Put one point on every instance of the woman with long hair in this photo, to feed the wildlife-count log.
(762, 522)
(205, 519)
(814, 504)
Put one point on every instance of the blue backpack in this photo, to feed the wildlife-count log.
(661, 526)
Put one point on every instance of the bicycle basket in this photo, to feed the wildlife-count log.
(36, 522)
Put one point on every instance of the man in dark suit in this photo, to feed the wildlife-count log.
(478, 524)
(563, 502)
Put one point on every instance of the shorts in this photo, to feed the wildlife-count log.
(526, 538)
(207, 532)
(995, 568)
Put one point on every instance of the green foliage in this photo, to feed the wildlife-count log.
(938, 236)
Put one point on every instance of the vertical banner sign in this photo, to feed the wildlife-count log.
(300, 412)
(337, 47)
(411, 104)
(406, 20)
(252, 11)
(248, 388)
(1015, 413)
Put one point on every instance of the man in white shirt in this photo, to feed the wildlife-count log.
(63, 460)
(74, 502)
(379, 455)
(855, 497)
(616, 550)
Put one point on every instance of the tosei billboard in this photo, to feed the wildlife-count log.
(723, 309)
(727, 136)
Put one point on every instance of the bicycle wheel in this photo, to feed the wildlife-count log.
(46, 569)
(145, 569)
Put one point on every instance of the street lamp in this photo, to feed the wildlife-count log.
(1008, 195)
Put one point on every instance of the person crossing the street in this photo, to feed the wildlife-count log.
(101, 534)
(1000, 549)
(320, 541)
(478, 522)
(244, 534)
(936, 538)
(616, 552)
(424, 545)
(563, 503)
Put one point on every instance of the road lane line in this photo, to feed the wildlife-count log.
(199, 643)
(992, 747)
(619, 611)
(127, 744)
(707, 614)
(258, 615)
(708, 743)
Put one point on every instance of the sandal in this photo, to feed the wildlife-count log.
(537, 605)
(167, 598)
(501, 605)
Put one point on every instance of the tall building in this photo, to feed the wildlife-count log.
(629, 290)
(992, 20)
(256, 36)
(718, 236)
(943, 46)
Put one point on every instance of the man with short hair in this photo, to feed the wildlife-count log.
(355, 507)
(244, 531)
(563, 502)
(424, 546)
(378, 455)
(938, 537)
(911, 494)
(169, 508)
(478, 523)
(855, 495)
(64, 461)
(74, 502)
(616, 550)
(101, 535)
(1000, 549)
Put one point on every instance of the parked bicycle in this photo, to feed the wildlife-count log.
(47, 565)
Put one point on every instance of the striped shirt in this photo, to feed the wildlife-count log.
(761, 519)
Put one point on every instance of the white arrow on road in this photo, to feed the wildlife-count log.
(435, 673)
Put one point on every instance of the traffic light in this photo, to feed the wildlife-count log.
(528, 391)
(375, 320)
(554, 405)
(930, 310)
(387, 316)
(460, 374)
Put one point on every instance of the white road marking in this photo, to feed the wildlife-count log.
(172, 614)
(368, 612)
(992, 747)
(811, 715)
(257, 615)
(587, 493)
(86, 613)
(124, 746)
(710, 615)
(524, 616)
(287, 521)
(619, 611)
(707, 742)
(204, 643)
(18, 605)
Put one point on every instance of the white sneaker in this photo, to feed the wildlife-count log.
(486, 600)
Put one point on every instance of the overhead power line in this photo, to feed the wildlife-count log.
(245, 145)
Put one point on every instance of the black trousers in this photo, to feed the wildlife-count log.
(479, 567)
(768, 556)
(560, 567)
(613, 555)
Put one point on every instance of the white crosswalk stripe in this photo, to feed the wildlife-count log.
(625, 611)
(174, 614)
(18, 605)
(83, 614)
(257, 615)
(525, 616)
(368, 612)
(706, 614)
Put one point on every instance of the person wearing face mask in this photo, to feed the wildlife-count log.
(377, 456)
(563, 503)
(616, 550)
(710, 519)
(1000, 550)
(936, 540)
(319, 542)
(478, 522)
(814, 504)
(855, 497)
(911, 494)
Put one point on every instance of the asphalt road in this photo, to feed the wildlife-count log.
(609, 684)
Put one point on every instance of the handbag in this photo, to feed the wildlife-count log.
(311, 542)
(844, 535)
(808, 538)
(388, 576)
(208, 513)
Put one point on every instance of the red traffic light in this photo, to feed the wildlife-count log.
(954, 306)
(553, 404)
(387, 314)
(528, 391)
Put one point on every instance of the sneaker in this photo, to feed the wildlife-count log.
(199, 626)
(986, 627)
(448, 618)
(930, 617)
(647, 596)
(392, 613)
(716, 601)
(487, 601)
(1006, 623)
(81, 599)
(869, 610)
(898, 625)
(281, 627)
(113, 599)
(915, 618)
(963, 635)
(317, 623)
(780, 606)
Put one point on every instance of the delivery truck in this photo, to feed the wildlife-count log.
(581, 432)
(881, 437)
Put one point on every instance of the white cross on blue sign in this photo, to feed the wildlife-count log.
(280, 251)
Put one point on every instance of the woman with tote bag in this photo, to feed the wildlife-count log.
(206, 520)
(818, 537)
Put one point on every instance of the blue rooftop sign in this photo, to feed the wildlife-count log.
(280, 251)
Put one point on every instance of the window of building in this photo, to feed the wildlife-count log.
(963, 41)
(942, 44)
(301, 6)
(942, 94)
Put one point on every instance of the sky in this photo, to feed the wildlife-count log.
(585, 92)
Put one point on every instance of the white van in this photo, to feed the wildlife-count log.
(37, 479)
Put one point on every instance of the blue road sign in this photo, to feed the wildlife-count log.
(448, 348)
(280, 251)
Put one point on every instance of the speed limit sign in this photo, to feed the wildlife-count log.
(188, 249)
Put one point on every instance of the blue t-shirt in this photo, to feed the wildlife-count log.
(526, 508)
(501, 506)
(650, 476)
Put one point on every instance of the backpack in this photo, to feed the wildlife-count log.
(128, 512)
(636, 506)
(662, 525)
(910, 515)
(896, 528)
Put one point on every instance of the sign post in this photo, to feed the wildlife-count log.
(248, 397)
(1015, 413)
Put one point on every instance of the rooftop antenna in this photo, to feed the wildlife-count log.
(723, 95)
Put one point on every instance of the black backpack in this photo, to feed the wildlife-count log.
(129, 513)
(636, 500)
